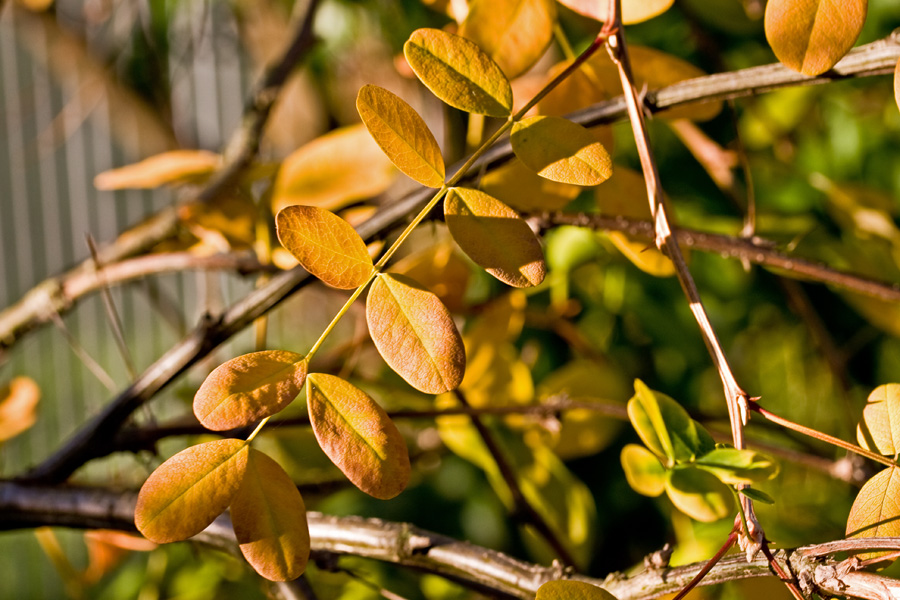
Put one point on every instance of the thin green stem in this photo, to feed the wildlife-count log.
(813, 433)
(737, 499)
(337, 318)
(258, 429)
(460, 173)
(409, 228)
(563, 42)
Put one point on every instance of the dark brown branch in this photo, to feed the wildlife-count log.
(408, 546)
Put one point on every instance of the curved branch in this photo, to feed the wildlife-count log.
(408, 546)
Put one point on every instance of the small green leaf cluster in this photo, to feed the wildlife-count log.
(680, 458)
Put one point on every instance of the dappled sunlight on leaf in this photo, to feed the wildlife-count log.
(879, 428)
(876, 510)
(561, 150)
(633, 11)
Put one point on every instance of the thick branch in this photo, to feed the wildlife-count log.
(408, 546)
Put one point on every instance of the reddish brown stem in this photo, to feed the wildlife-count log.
(732, 538)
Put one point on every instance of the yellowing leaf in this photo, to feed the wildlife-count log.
(897, 84)
(176, 166)
(269, 520)
(358, 436)
(879, 428)
(415, 334)
(876, 510)
(524, 190)
(188, 491)
(333, 170)
(633, 11)
(18, 401)
(561, 150)
(325, 244)
(811, 36)
(572, 590)
(248, 388)
(644, 472)
(402, 135)
(494, 237)
(458, 72)
(733, 466)
(699, 494)
(514, 33)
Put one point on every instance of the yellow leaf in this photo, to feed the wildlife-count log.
(188, 491)
(176, 166)
(458, 72)
(524, 190)
(811, 36)
(325, 244)
(879, 428)
(18, 401)
(494, 237)
(358, 436)
(269, 520)
(633, 11)
(441, 268)
(514, 33)
(897, 84)
(699, 494)
(332, 171)
(644, 472)
(248, 388)
(402, 135)
(572, 590)
(415, 334)
(561, 150)
(876, 510)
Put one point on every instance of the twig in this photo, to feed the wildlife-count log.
(111, 313)
(732, 538)
(408, 546)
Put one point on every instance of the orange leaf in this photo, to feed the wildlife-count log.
(415, 334)
(514, 33)
(248, 388)
(107, 548)
(325, 244)
(176, 166)
(876, 510)
(897, 84)
(495, 237)
(333, 170)
(402, 134)
(633, 11)
(188, 491)
(269, 520)
(811, 36)
(561, 150)
(358, 436)
(18, 401)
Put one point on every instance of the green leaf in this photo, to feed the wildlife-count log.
(514, 33)
(757, 495)
(248, 388)
(402, 134)
(811, 36)
(269, 520)
(572, 590)
(188, 491)
(326, 245)
(561, 150)
(665, 427)
(876, 510)
(333, 170)
(699, 494)
(879, 428)
(358, 436)
(494, 237)
(734, 466)
(458, 72)
(415, 334)
(643, 470)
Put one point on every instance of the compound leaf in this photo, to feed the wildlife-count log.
(495, 237)
(415, 334)
(269, 520)
(188, 491)
(876, 510)
(458, 72)
(811, 36)
(572, 590)
(699, 494)
(175, 166)
(514, 33)
(249, 388)
(402, 134)
(358, 436)
(643, 470)
(325, 244)
(561, 150)
(879, 428)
